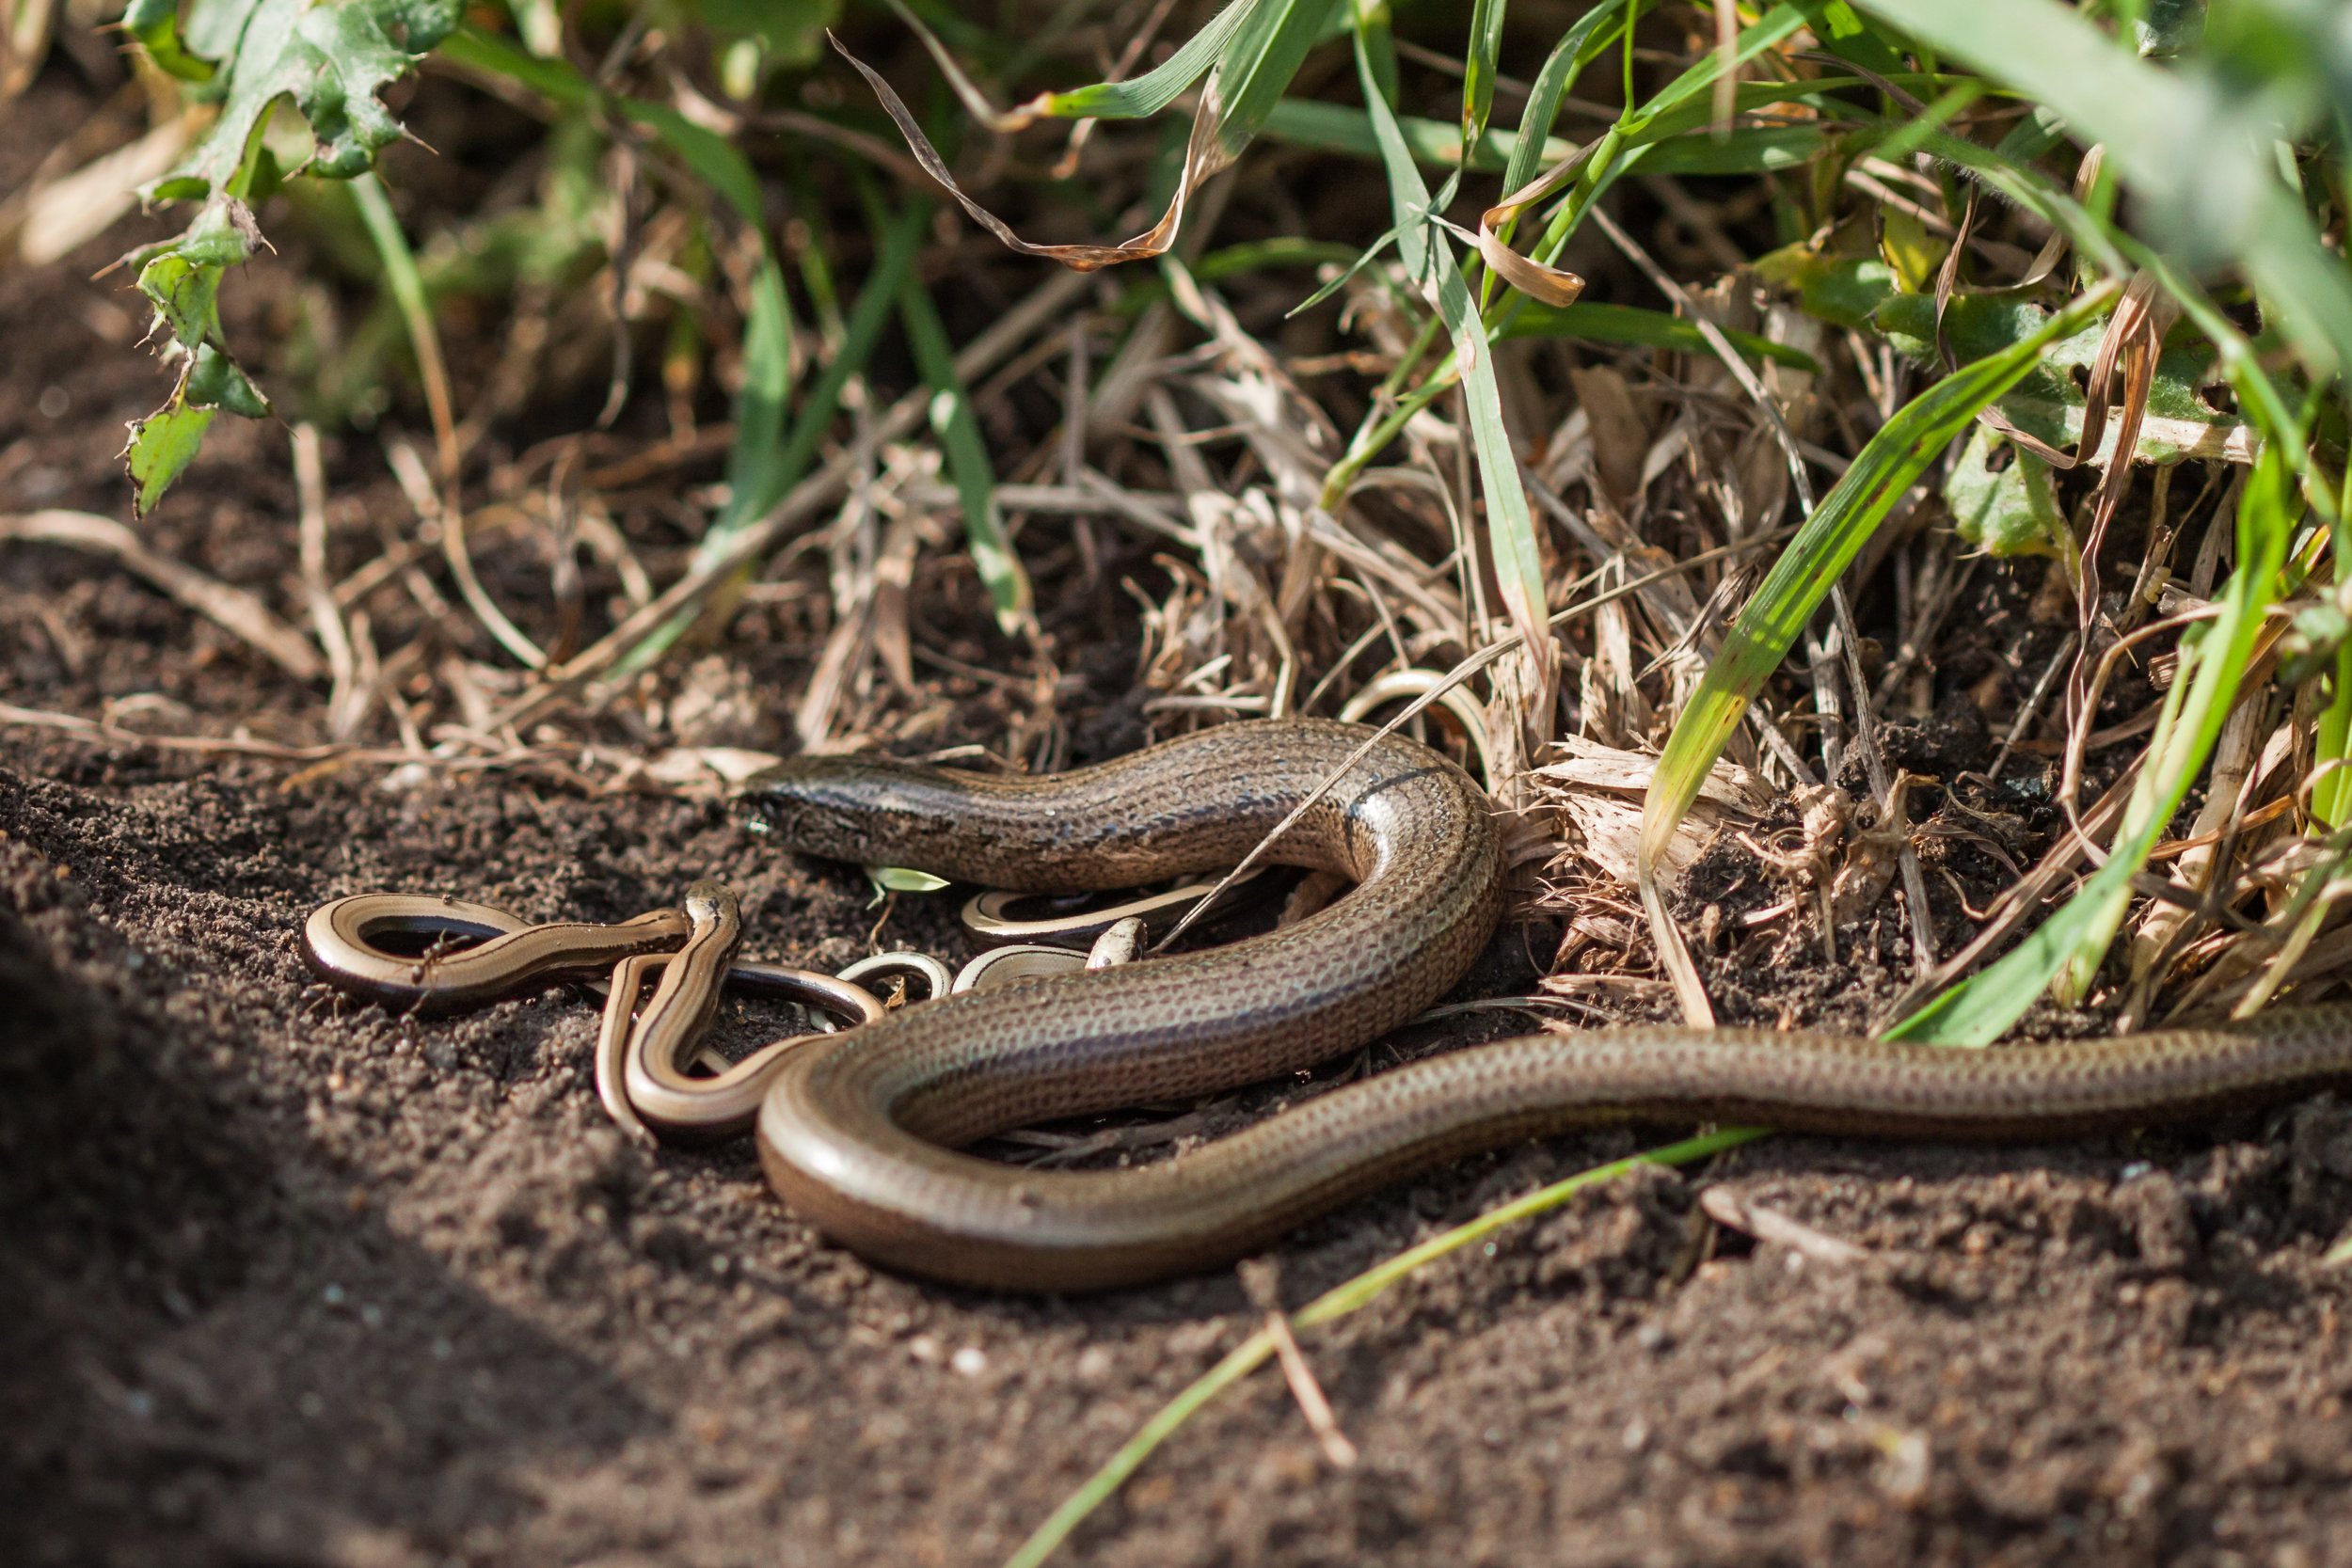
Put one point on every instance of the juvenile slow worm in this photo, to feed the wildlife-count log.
(861, 1135)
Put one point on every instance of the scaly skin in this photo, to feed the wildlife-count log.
(861, 1136)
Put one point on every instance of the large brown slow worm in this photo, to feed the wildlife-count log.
(861, 1134)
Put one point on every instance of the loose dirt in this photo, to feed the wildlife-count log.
(292, 1281)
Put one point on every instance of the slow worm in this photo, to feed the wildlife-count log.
(861, 1133)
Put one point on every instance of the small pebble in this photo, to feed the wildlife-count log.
(970, 1361)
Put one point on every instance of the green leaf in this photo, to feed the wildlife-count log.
(1155, 90)
(1842, 290)
(1904, 241)
(182, 278)
(1264, 53)
(216, 381)
(327, 59)
(1749, 150)
(959, 432)
(1840, 32)
(1630, 324)
(1478, 69)
(1343, 128)
(2011, 510)
(161, 446)
(2049, 404)
(1578, 48)
(714, 159)
(1775, 27)
(155, 24)
(1510, 527)
(897, 879)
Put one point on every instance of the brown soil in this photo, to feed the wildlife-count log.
(292, 1281)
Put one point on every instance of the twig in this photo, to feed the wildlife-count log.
(417, 485)
(93, 730)
(1258, 1282)
(311, 486)
(231, 608)
(802, 502)
(1882, 786)
(1728, 1207)
(2033, 703)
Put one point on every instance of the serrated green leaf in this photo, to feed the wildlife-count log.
(155, 24)
(182, 277)
(2049, 402)
(216, 381)
(2011, 510)
(1842, 290)
(329, 59)
(161, 447)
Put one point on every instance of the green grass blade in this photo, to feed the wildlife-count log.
(894, 261)
(1886, 467)
(1338, 1302)
(1156, 88)
(959, 432)
(552, 79)
(1260, 62)
(1479, 67)
(755, 463)
(761, 466)
(1673, 140)
(1578, 48)
(1510, 526)
(1631, 323)
(1775, 28)
(2332, 797)
(2217, 653)
(775, 475)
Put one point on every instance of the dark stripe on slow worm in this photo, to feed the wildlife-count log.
(861, 1135)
